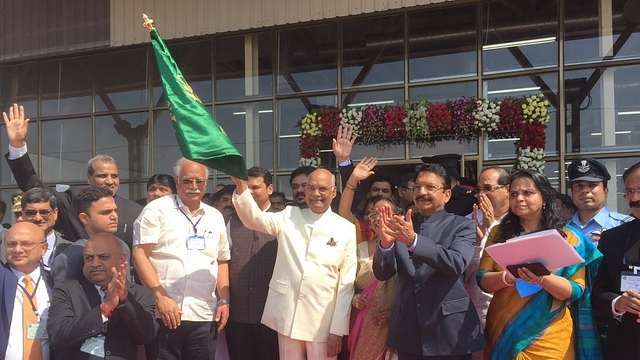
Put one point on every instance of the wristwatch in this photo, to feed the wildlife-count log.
(223, 302)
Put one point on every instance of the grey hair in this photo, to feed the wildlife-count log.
(178, 167)
(102, 158)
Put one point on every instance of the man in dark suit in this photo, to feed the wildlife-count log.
(253, 256)
(82, 326)
(102, 170)
(432, 315)
(40, 206)
(611, 297)
(22, 278)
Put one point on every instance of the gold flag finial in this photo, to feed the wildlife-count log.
(148, 22)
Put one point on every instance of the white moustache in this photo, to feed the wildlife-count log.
(189, 191)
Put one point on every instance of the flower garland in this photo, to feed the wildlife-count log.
(423, 122)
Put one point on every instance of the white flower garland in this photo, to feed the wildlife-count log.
(351, 116)
(315, 162)
(532, 159)
(486, 115)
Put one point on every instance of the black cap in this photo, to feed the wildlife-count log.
(450, 162)
(587, 170)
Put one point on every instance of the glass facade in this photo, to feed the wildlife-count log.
(584, 56)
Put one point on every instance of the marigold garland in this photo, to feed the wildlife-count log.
(422, 122)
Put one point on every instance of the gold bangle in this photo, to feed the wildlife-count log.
(541, 280)
(504, 279)
(347, 186)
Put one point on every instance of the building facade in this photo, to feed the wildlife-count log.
(86, 74)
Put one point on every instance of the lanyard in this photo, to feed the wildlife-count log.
(195, 230)
(32, 295)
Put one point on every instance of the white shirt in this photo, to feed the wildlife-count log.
(188, 276)
(15, 346)
(47, 259)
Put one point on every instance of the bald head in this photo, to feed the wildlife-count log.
(25, 245)
(320, 190)
(102, 253)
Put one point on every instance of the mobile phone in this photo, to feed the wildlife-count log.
(537, 268)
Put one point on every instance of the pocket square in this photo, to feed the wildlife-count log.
(331, 242)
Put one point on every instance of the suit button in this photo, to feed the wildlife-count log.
(304, 277)
(419, 306)
(107, 352)
(301, 296)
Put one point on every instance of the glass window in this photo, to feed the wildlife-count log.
(385, 97)
(442, 93)
(282, 185)
(519, 35)
(307, 59)
(250, 128)
(6, 178)
(244, 66)
(442, 43)
(373, 51)
(121, 80)
(290, 111)
(19, 84)
(165, 146)
(194, 61)
(498, 89)
(66, 148)
(66, 86)
(601, 31)
(603, 109)
(125, 137)
(132, 191)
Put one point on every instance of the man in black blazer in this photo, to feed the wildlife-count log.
(432, 315)
(621, 249)
(102, 170)
(82, 326)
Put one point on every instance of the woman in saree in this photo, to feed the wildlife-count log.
(371, 305)
(555, 321)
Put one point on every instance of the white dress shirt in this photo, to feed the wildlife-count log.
(15, 346)
(188, 276)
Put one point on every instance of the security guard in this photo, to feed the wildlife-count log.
(589, 191)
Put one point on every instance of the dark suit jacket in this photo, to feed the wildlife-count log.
(9, 284)
(432, 314)
(74, 316)
(68, 222)
(623, 338)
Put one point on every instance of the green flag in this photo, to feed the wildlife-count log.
(199, 135)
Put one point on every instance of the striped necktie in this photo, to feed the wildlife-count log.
(32, 349)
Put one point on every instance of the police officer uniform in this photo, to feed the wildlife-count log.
(594, 171)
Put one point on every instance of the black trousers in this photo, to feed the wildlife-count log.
(192, 340)
(251, 341)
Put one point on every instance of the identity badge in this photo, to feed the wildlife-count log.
(36, 331)
(629, 281)
(94, 346)
(195, 243)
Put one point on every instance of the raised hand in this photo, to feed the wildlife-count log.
(487, 210)
(16, 125)
(363, 170)
(343, 143)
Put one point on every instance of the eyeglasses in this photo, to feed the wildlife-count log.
(323, 190)
(45, 213)
(489, 188)
(430, 189)
(198, 182)
(25, 245)
(630, 193)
